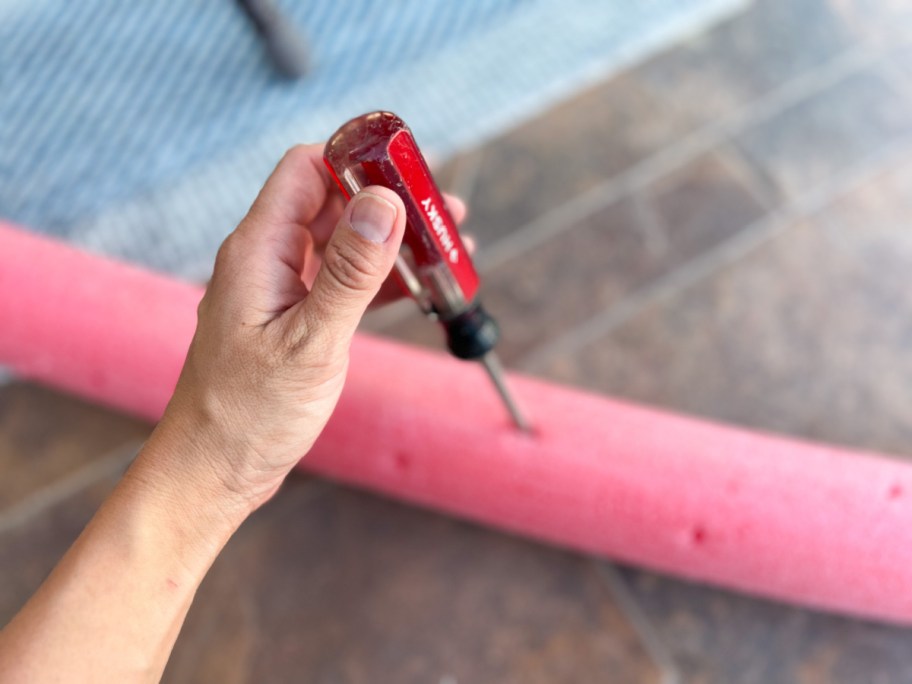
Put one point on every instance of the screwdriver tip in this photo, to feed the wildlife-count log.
(492, 364)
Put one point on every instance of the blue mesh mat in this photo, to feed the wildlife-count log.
(144, 129)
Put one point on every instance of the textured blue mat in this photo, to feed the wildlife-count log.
(144, 129)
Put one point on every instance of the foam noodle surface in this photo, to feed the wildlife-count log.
(770, 516)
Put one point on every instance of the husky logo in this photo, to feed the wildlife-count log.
(440, 229)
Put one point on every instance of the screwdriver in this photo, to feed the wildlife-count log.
(433, 265)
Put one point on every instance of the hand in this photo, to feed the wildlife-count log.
(262, 377)
(268, 361)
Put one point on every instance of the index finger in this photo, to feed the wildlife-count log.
(296, 190)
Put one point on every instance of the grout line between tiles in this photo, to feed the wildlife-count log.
(726, 253)
(46, 497)
(674, 156)
(652, 227)
(693, 271)
(742, 169)
(642, 625)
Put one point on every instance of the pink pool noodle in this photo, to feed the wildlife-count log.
(780, 518)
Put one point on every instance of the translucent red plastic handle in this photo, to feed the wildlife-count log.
(378, 149)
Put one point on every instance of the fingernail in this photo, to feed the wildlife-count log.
(372, 217)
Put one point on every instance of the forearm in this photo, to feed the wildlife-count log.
(112, 608)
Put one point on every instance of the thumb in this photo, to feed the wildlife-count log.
(358, 258)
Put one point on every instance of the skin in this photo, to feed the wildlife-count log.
(262, 377)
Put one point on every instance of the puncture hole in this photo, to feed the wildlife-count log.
(532, 433)
(402, 461)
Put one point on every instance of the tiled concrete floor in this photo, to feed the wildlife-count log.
(720, 231)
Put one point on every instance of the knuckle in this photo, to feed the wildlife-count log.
(309, 346)
(297, 151)
(228, 253)
(203, 307)
(292, 339)
(298, 156)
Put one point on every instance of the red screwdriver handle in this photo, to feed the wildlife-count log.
(378, 149)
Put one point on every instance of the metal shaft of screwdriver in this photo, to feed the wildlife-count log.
(492, 364)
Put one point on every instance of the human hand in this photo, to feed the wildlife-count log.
(269, 357)
(262, 376)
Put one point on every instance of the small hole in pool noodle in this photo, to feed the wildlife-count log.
(532, 433)
(511, 432)
(97, 380)
(698, 535)
(402, 461)
(895, 491)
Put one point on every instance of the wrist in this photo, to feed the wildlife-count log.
(175, 489)
(222, 449)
